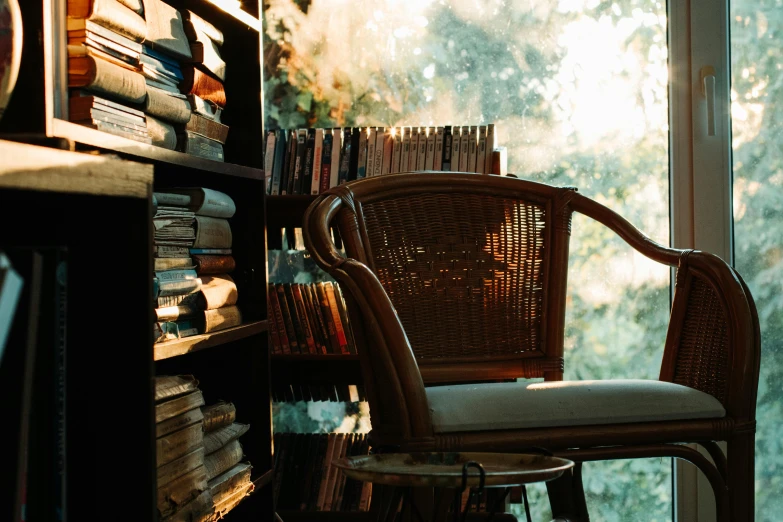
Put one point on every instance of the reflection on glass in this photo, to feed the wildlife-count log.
(578, 92)
(757, 140)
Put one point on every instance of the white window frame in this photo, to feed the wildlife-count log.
(700, 170)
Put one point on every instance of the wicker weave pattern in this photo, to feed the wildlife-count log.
(464, 271)
(702, 358)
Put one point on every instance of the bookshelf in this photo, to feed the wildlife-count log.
(231, 365)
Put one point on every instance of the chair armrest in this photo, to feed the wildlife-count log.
(388, 363)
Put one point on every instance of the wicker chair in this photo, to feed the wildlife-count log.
(461, 278)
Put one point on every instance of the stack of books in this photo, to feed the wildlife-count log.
(228, 477)
(203, 134)
(104, 46)
(305, 478)
(309, 319)
(164, 49)
(143, 70)
(181, 474)
(193, 289)
(311, 161)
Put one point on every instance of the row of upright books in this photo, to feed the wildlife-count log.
(143, 70)
(200, 473)
(309, 319)
(318, 393)
(192, 287)
(311, 161)
(306, 480)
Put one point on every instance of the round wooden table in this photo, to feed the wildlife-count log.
(449, 474)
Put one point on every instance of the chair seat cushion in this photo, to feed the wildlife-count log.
(517, 405)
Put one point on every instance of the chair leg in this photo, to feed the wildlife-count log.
(567, 496)
(741, 472)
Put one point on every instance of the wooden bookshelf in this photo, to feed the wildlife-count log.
(325, 516)
(209, 340)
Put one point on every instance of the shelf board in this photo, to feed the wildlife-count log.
(104, 140)
(195, 343)
(230, 7)
(316, 369)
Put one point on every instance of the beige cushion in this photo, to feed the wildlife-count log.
(504, 406)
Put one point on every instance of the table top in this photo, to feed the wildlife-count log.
(445, 469)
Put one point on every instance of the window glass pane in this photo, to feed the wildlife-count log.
(578, 92)
(757, 140)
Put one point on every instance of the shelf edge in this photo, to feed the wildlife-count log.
(196, 343)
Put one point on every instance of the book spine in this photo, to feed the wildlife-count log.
(326, 312)
(296, 327)
(342, 310)
(372, 134)
(301, 154)
(307, 172)
(353, 161)
(491, 144)
(277, 163)
(287, 184)
(455, 141)
(269, 148)
(388, 151)
(169, 263)
(380, 139)
(222, 318)
(167, 108)
(198, 145)
(447, 147)
(218, 415)
(315, 310)
(481, 150)
(413, 155)
(405, 148)
(209, 265)
(464, 153)
(338, 324)
(304, 320)
(318, 149)
(437, 160)
(337, 147)
(429, 160)
(326, 165)
(274, 335)
(472, 148)
(361, 159)
(326, 467)
(176, 287)
(174, 313)
(277, 317)
(421, 161)
(345, 157)
(212, 233)
(223, 459)
(289, 315)
(175, 275)
(396, 149)
(219, 132)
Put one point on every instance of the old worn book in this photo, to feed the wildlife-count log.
(202, 85)
(197, 145)
(174, 313)
(169, 263)
(205, 202)
(170, 251)
(178, 443)
(223, 459)
(205, 52)
(180, 466)
(177, 405)
(277, 318)
(178, 287)
(205, 108)
(229, 501)
(183, 420)
(232, 481)
(221, 318)
(165, 107)
(194, 24)
(206, 127)
(215, 440)
(200, 509)
(165, 32)
(97, 115)
(180, 491)
(212, 233)
(81, 102)
(111, 14)
(338, 322)
(206, 265)
(95, 46)
(107, 78)
(218, 415)
(171, 386)
(218, 291)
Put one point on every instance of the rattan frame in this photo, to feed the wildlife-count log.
(712, 343)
